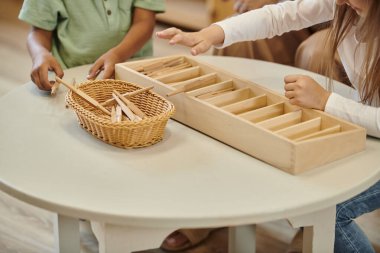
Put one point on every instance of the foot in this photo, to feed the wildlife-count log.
(184, 239)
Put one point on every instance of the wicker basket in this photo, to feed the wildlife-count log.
(126, 134)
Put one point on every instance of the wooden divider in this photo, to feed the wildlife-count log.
(148, 66)
(196, 83)
(180, 75)
(264, 113)
(302, 129)
(168, 70)
(324, 132)
(282, 121)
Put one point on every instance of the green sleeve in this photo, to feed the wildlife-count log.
(43, 14)
(153, 5)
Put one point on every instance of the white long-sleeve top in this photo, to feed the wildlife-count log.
(272, 20)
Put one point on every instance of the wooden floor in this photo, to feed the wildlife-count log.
(28, 229)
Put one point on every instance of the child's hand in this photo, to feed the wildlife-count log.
(107, 63)
(199, 42)
(41, 65)
(305, 92)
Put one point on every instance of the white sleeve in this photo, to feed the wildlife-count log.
(276, 19)
(355, 112)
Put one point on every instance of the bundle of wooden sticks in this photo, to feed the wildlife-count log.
(160, 68)
(120, 103)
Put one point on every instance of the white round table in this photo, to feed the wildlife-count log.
(136, 197)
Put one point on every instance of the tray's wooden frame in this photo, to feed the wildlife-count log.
(247, 116)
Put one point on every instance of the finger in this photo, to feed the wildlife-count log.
(178, 38)
(291, 78)
(290, 86)
(293, 101)
(188, 40)
(36, 79)
(95, 70)
(57, 69)
(290, 94)
(109, 72)
(168, 33)
(200, 48)
(44, 79)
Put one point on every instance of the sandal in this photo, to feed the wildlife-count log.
(184, 239)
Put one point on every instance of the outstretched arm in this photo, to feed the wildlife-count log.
(139, 33)
(39, 44)
(199, 42)
(266, 22)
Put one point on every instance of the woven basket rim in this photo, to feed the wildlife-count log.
(78, 108)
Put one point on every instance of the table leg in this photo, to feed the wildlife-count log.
(66, 234)
(125, 239)
(242, 239)
(319, 230)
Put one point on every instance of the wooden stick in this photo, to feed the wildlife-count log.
(83, 95)
(214, 93)
(73, 83)
(125, 108)
(156, 65)
(131, 105)
(168, 70)
(128, 95)
(153, 66)
(118, 114)
(54, 88)
(113, 114)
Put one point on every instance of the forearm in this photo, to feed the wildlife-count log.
(355, 112)
(39, 42)
(214, 34)
(275, 20)
(139, 33)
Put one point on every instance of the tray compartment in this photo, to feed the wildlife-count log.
(265, 113)
(181, 75)
(323, 132)
(193, 83)
(230, 97)
(247, 105)
(154, 67)
(301, 129)
(282, 121)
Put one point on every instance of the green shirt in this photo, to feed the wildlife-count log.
(83, 30)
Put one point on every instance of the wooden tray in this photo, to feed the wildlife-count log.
(245, 115)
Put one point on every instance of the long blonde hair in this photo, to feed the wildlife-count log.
(345, 18)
